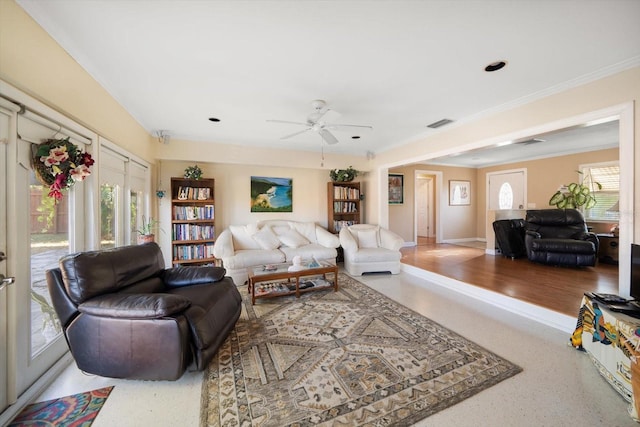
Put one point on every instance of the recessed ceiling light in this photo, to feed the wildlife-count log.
(495, 66)
(213, 119)
(355, 137)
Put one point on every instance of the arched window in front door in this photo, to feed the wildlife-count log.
(505, 196)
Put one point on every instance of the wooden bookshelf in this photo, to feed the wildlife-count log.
(193, 230)
(343, 205)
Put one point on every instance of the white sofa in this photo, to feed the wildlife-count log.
(369, 248)
(271, 242)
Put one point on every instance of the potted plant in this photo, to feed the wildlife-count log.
(146, 230)
(576, 194)
(343, 175)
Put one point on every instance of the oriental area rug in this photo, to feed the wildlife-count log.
(347, 358)
(77, 410)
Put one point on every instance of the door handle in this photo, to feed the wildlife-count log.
(5, 281)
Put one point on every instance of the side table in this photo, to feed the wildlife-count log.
(612, 341)
(608, 250)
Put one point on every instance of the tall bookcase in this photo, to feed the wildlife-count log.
(343, 205)
(193, 231)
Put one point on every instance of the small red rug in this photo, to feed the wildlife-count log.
(77, 410)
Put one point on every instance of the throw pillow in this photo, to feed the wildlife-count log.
(266, 238)
(293, 239)
(368, 238)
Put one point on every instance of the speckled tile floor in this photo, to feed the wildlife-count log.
(558, 387)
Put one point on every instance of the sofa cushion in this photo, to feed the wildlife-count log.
(368, 238)
(135, 306)
(93, 273)
(212, 307)
(249, 257)
(309, 252)
(307, 229)
(375, 255)
(563, 246)
(242, 236)
(266, 238)
(293, 239)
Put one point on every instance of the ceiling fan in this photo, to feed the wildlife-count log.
(317, 121)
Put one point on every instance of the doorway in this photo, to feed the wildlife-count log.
(427, 207)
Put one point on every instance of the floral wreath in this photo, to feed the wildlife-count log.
(59, 163)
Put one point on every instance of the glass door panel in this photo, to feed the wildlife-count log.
(49, 232)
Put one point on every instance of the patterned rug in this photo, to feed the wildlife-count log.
(77, 410)
(347, 358)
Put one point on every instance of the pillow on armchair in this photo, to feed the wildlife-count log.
(368, 238)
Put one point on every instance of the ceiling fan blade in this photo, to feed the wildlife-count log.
(288, 122)
(338, 126)
(295, 133)
(328, 137)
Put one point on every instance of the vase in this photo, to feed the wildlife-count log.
(146, 238)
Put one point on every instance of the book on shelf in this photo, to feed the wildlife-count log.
(188, 213)
(345, 207)
(346, 193)
(337, 225)
(193, 232)
(193, 193)
(192, 252)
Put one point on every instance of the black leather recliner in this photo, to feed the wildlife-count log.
(125, 316)
(559, 237)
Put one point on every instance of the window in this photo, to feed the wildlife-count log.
(124, 195)
(608, 175)
(505, 196)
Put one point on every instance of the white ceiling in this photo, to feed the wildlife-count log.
(394, 65)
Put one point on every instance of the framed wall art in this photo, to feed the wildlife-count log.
(271, 194)
(459, 193)
(396, 189)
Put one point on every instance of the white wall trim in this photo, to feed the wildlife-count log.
(536, 313)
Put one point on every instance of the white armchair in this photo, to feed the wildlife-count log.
(369, 248)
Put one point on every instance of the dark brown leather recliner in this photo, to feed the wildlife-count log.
(125, 316)
(559, 237)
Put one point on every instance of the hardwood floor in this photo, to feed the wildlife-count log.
(556, 288)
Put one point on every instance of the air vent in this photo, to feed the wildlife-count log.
(531, 141)
(439, 123)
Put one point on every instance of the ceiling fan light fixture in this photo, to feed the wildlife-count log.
(495, 66)
(439, 123)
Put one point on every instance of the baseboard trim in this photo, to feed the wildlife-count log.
(530, 311)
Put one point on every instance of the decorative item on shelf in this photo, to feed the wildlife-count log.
(146, 230)
(576, 195)
(343, 175)
(193, 172)
(59, 163)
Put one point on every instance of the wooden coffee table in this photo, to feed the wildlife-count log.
(288, 282)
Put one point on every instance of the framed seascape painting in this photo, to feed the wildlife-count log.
(396, 189)
(271, 194)
(459, 193)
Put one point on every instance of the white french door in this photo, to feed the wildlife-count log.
(5, 118)
(34, 233)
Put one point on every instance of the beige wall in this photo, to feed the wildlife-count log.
(34, 63)
(232, 194)
(544, 176)
(525, 120)
(457, 222)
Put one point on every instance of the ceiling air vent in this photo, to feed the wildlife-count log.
(439, 123)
